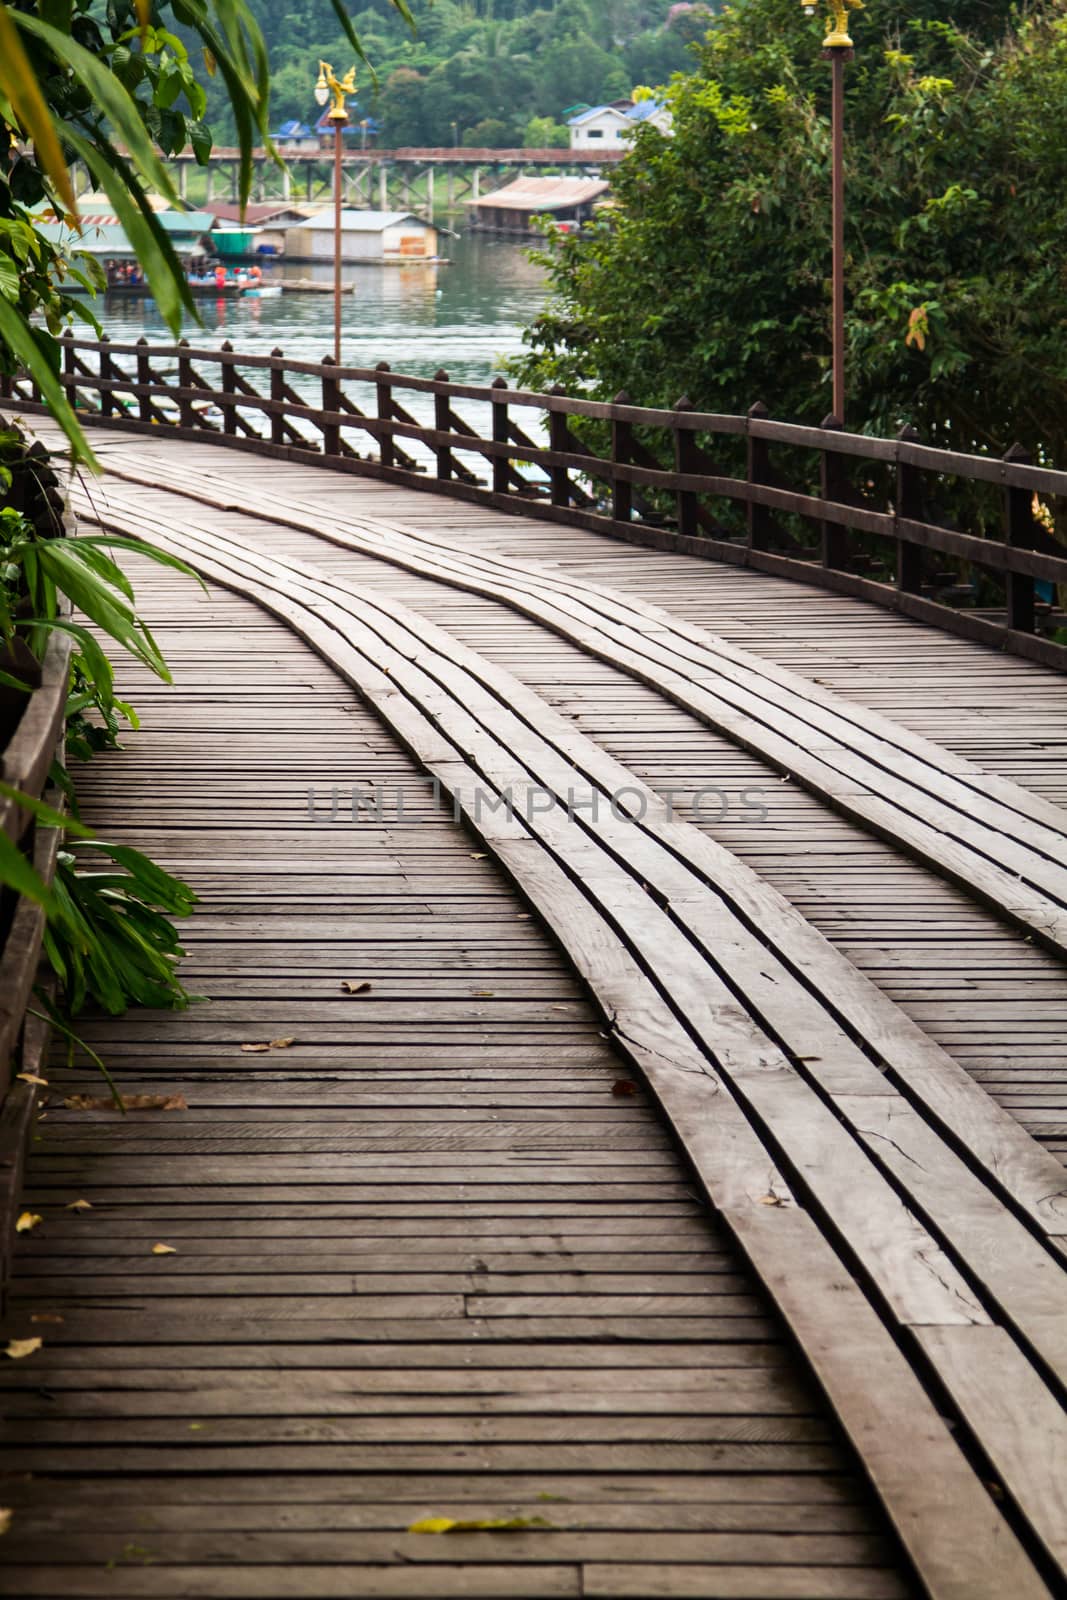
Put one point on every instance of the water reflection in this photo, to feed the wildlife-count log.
(464, 317)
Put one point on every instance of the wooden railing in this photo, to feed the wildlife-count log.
(960, 541)
(25, 763)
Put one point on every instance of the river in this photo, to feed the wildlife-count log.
(464, 317)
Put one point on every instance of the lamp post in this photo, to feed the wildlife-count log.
(330, 86)
(837, 49)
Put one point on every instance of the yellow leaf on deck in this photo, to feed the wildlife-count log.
(281, 1044)
(477, 1524)
(6, 1514)
(355, 986)
(46, 1316)
(27, 1220)
(32, 1077)
(18, 1348)
(78, 1205)
(164, 1250)
(257, 1049)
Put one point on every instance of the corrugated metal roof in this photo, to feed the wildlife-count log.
(255, 214)
(543, 194)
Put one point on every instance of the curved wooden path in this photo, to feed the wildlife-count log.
(687, 1184)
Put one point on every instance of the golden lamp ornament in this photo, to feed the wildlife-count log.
(837, 37)
(339, 88)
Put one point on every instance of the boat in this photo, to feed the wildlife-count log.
(199, 289)
(312, 286)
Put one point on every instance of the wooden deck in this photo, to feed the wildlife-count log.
(788, 1320)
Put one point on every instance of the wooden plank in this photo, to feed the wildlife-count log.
(976, 1521)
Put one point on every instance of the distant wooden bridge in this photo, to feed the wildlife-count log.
(408, 177)
(630, 1108)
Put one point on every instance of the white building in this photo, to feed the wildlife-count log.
(365, 236)
(608, 127)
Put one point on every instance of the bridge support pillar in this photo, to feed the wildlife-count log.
(183, 179)
(383, 187)
(429, 194)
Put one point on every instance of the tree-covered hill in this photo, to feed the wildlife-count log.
(477, 71)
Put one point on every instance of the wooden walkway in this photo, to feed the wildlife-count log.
(696, 893)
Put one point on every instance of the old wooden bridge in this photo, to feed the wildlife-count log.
(629, 1107)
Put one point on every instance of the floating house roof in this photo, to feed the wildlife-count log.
(364, 221)
(102, 234)
(543, 194)
(257, 214)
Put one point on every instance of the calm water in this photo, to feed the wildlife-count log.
(464, 317)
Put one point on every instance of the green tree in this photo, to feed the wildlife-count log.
(710, 277)
(545, 133)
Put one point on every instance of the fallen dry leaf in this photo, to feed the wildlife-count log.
(478, 855)
(32, 1077)
(78, 1205)
(771, 1200)
(256, 1049)
(164, 1250)
(622, 1087)
(281, 1044)
(130, 1102)
(477, 1524)
(6, 1515)
(483, 994)
(46, 1316)
(27, 1220)
(272, 1044)
(355, 986)
(18, 1348)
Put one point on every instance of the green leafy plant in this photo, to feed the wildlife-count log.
(109, 935)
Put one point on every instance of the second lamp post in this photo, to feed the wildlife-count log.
(837, 48)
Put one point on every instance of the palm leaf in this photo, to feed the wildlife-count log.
(20, 339)
(18, 81)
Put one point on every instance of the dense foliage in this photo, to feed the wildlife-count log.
(478, 71)
(711, 277)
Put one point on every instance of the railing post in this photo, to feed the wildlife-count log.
(442, 421)
(1019, 535)
(759, 471)
(277, 395)
(500, 436)
(67, 341)
(685, 500)
(227, 398)
(331, 401)
(186, 414)
(386, 452)
(558, 442)
(622, 490)
(909, 509)
(144, 378)
(107, 373)
(833, 538)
